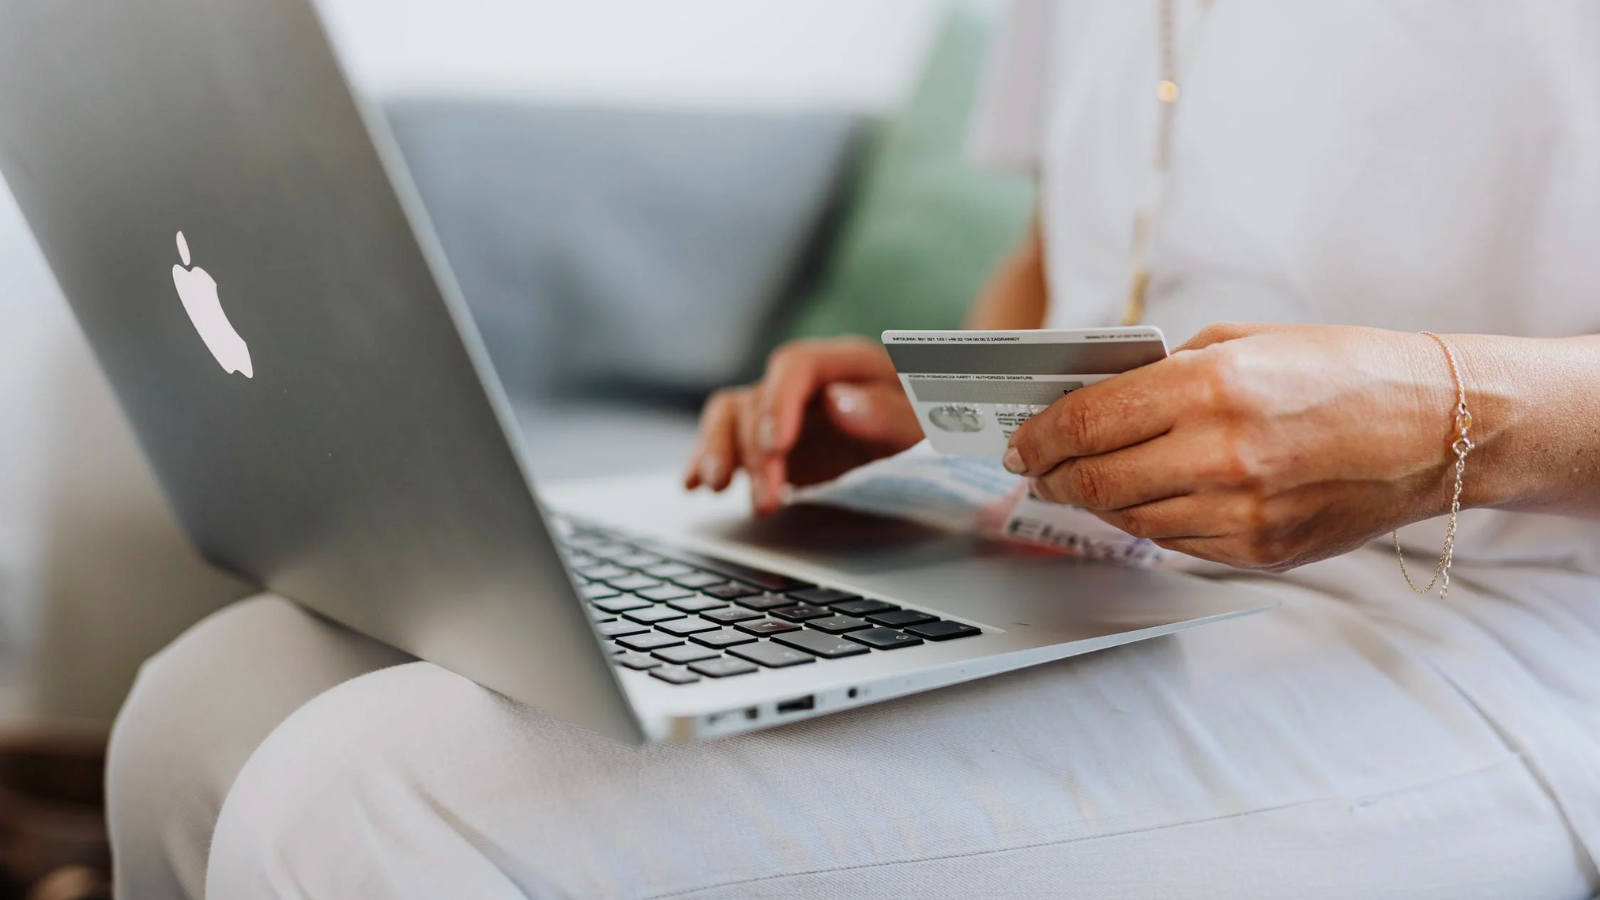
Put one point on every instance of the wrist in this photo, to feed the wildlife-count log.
(1494, 400)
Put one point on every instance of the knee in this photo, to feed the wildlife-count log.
(164, 780)
(334, 802)
(197, 711)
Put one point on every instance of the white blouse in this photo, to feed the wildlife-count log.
(1406, 164)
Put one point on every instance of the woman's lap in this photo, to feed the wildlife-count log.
(1301, 749)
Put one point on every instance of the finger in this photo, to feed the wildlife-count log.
(798, 371)
(717, 453)
(766, 473)
(1154, 470)
(874, 413)
(1207, 548)
(1198, 515)
(1231, 551)
(1108, 415)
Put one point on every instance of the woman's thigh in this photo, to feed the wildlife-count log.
(1300, 751)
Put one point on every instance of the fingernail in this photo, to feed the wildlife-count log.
(847, 401)
(711, 471)
(1013, 461)
(766, 433)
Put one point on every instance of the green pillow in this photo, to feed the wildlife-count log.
(924, 228)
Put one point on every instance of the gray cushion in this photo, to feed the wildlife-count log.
(594, 437)
(607, 246)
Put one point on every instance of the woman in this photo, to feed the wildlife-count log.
(1400, 166)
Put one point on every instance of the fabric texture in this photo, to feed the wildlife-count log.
(924, 228)
(1315, 751)
(606, 248)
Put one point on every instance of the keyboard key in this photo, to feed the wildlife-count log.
(620, 604)
(722, 637)
(685, 653)
(632, 582)
(697, 603)
(686, 627)
(600, 615)
(945, 631)
(731, 615)
(838, 624)
(863, 607)
(766, 626)
(621, 629)
(635, 661)
(598, 591)
(900, 618)
(822, 596)
(610, 550)
(731, 590)
(664, 592)
(696, 579)
(800, 612)
(637, 560)
(824, 645)
(674, 675)
(602, 571)
(654, 614)
(653, 640)
(667, 570)
(765, 602)
(772, 656)
(723, 667)
(883, 638)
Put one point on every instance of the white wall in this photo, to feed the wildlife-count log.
(855, 54)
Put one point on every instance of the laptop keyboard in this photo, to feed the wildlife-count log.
(686, 618)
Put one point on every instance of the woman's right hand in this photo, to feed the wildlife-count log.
(822, 408)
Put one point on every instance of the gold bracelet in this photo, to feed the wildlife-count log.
(1461, 446)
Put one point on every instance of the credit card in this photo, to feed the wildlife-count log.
(971, 389)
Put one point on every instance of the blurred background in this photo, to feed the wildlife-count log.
(639, 199)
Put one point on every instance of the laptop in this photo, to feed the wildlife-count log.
(242, 247)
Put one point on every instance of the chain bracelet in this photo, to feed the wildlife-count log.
(1461, 446)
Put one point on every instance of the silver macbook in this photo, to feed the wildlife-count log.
(246, 255)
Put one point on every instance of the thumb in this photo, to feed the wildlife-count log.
(874, 413)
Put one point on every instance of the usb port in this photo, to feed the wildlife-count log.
(798, 704)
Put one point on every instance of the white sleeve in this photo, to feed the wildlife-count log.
(1008, 122)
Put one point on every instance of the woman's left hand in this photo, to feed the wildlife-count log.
(1259, 446)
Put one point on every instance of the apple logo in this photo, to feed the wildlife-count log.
(198, 291)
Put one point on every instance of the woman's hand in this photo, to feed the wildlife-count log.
(823, 408)
(1263, 447)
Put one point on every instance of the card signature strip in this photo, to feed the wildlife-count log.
(1032, 393)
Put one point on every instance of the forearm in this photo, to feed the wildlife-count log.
(1535, 405)
(1017, 295)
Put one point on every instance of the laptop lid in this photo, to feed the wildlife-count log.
(249, 263)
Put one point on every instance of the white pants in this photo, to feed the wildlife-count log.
(1326, 749)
